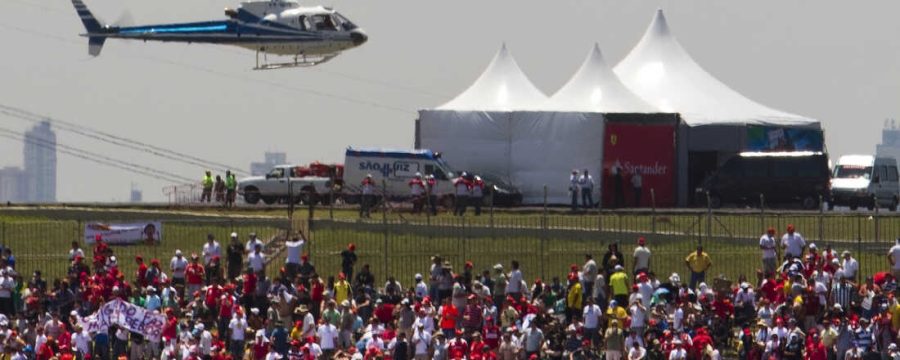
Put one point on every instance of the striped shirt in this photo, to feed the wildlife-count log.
(842, 294)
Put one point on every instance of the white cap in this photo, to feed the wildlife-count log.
(254, 311)
(812, 246)
(199, 326)
(418, 276)
(418, 174)
(178, 252)
(619, 267)
(234, 235)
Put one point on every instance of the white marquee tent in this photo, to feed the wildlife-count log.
(661, 72)
(503, 126)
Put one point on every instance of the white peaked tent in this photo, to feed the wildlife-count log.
(716, 120)
(496, 127)
(661, 72)
(501, 87)
(596, 88)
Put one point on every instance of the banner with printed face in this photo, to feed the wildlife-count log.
(636, 159)
(145, 232)
(125, 315)
(768, 138)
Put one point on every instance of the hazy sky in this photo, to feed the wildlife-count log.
(830, 60)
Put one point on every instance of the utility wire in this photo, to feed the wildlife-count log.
(95, 134)
(99, 158)
(20, 137)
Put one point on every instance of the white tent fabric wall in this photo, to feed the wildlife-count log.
(468, 140)
(529, 149)
(661, 72)
(547, 146)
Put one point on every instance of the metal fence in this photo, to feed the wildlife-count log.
(547, 242)
(544, 241)
(44, 244)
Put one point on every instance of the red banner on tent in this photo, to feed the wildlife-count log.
(648, 150)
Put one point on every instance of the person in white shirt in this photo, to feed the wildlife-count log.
(421, 339)
(638, 317)
(678, 319)
(514, 285)
(678, 353)
(637, 352)
(256, 260)
(588, 275)
(206, 340)
(591, 315)
(211, 249)
(328, 337)
(75, 251)
(178, 265)
(769, 256)
(894, 259)
(641, 261)
(421, 287)
(850, 266)
(294, 253)
(81, 340)
(586, 185)
(637, 185)
(252, 243)
(793, 242)
(573, 189)
(237, 328)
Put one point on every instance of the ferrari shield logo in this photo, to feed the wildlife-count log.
(613, 139)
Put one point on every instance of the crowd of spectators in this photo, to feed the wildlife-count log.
(811, 304)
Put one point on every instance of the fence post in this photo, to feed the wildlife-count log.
(653, 210)
(762, 212)
(331, 199)
(859, 235)
(544, 226)
(877, 228)
(708, 218)
(384, 224)
(821, 221)
(491, 214)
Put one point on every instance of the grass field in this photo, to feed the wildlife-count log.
(545, 245)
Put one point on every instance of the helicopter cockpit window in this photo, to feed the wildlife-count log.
(324, 22)
(345, 23)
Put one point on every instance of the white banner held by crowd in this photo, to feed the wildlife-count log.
(147, 232)
(125, 315)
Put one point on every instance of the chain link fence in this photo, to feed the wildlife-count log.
(544, 241)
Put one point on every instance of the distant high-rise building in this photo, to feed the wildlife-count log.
(40, 163)
(269, 161)
(13, 185)
(136, 194)
(890, 140)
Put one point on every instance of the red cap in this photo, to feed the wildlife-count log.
(351, 246)
(770, 230)
(790, 227)
(154, 261)
(459, 332)
(574, 267)
(469, 264)
(573, 277)
(304, 257)
(138, 257)
(98, 237)
(642, 241)
(342, 276)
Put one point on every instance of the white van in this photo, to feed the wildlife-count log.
(858, 180)
(396, 168)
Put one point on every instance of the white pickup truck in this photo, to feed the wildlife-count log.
(274, 187)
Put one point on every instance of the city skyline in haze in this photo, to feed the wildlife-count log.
(820, 59)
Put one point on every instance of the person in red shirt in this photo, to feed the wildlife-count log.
(458, 348)
(169, 331)
(491, 333)
(417, 190)
(249, 288)
(384, 312)
(211, 299)
(699, 342)
(140, 276)
(815, 349)
(226, 308)
(477, 346)
(316, 293)
(47, 350)
(194, 275)
(448, 318)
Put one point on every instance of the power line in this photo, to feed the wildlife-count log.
(87, 156)
(116, 140)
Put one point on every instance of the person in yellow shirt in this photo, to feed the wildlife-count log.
(341, 289)
(617, 314)
(574, 298)
(698, 262)
(618, 284)
(895, 316)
